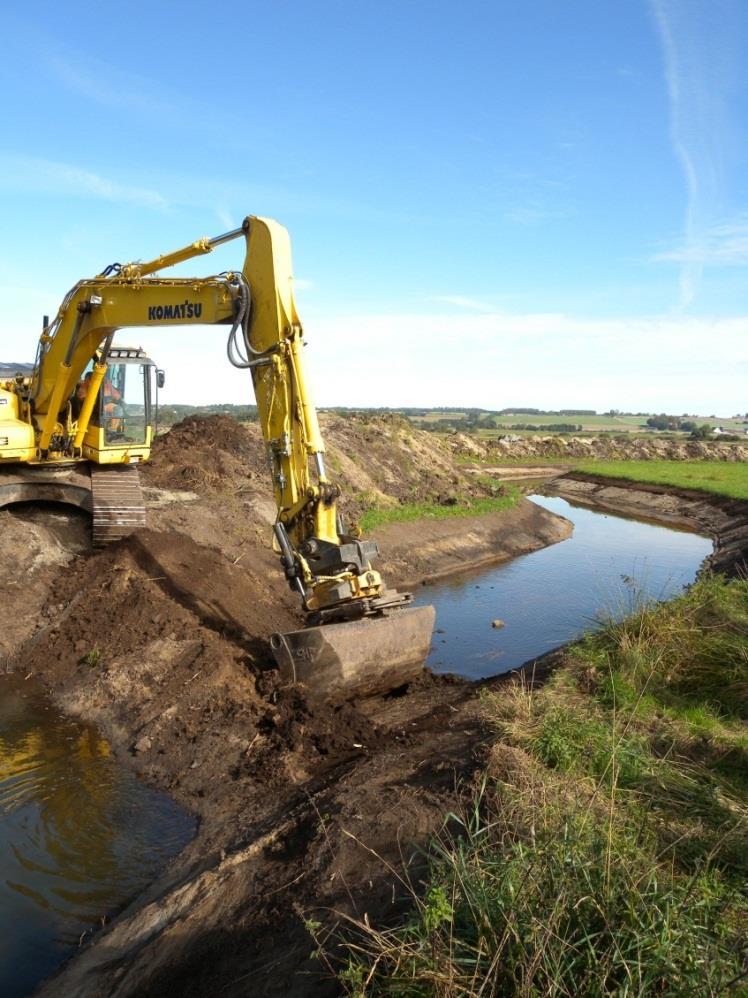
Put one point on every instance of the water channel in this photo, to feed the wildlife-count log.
(604, 570)
(80, 835)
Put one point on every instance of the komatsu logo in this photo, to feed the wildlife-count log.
(187, 310)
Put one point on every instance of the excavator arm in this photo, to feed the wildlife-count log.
(331, 569)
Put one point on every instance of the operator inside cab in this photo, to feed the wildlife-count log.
(111, 406)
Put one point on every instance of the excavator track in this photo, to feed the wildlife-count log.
(118, 507)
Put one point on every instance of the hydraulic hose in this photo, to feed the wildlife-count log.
(241, 322)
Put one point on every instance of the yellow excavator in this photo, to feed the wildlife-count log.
(76, 425)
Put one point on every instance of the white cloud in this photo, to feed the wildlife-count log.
(492, 359)
(226, 218)
(104, 84)
(536, 214)
(28, 174)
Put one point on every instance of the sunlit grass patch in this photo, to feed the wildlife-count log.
(725, 478)
(409, 512)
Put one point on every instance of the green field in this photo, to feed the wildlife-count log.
(622, 423)
(493, 423)
(720, 477)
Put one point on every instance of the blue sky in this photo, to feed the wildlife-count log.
(490, 204)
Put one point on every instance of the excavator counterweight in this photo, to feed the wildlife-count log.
(75, 427)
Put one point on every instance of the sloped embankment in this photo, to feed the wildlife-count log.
(724, 520)
(303, 809)
(376, 460)
(624, 447)
(380, 462)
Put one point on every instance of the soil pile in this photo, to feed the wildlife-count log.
(305, 808)
(383, 460)
(36, 543)
(376, 460)
(163, 642)
(204, 453)
(623, 447)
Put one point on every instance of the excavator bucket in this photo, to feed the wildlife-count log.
(358, 658)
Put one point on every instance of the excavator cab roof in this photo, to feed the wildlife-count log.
(123, 355)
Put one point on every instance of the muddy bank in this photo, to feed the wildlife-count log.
(724, 520)
(304, 810)
(162, 640)
(426, 550)
(232, 921)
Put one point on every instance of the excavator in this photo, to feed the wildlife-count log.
(75, 427)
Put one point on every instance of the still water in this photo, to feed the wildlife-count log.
(80, 835)
(607, 568)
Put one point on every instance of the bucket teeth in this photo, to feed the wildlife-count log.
(358, 658)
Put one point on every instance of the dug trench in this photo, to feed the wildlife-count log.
(305, 811)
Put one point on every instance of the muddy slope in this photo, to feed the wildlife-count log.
(724, 520)
(421, 552)
(233, 922)
(303, 809)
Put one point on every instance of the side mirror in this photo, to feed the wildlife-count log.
(160, 377)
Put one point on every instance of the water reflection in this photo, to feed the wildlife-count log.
(79, 834)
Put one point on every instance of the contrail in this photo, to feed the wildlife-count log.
(700, 49)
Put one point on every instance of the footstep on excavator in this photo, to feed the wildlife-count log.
(75, 426)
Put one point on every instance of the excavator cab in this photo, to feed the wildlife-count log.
(123, 419)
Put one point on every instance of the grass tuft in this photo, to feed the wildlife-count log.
(724, 478)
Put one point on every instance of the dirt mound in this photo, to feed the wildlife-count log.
(377, 461)
(623, 447)
(204, 453)
(384, 460)
(164, 642)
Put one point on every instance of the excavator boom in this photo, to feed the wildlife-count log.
(362, 637)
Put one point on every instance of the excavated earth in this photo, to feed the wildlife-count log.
(609, 447)
(306, 811)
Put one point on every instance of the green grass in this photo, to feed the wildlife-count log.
(725, 478)
(622, 423)
(407, 512)
(605, 851)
